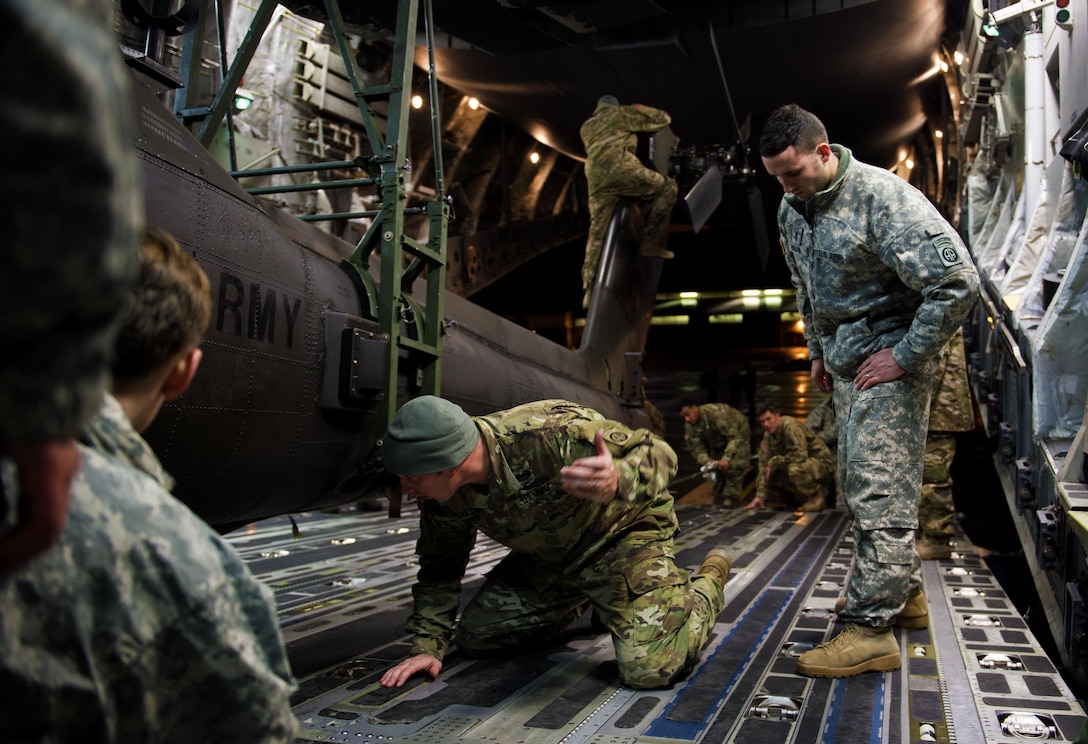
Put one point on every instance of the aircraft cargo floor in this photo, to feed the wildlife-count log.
(343, 589)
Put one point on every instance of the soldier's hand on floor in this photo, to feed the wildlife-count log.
(594, 477)
(398, 675)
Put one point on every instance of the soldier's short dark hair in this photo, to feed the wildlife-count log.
(766, 407)
(686, 403)
(791, 125)
(166, 313)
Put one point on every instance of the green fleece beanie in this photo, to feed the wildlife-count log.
(428, 435)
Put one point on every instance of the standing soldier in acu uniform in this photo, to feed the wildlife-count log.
(582, 504)
(718, 433)
(883, 281)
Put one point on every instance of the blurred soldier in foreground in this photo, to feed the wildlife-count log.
(950, 411)
(795, 466)
(715, 432)
(142, 624)
(614, 170)
(70, 209)
(581, 501)
(883, 281)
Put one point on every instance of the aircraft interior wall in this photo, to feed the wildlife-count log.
(1030, 338)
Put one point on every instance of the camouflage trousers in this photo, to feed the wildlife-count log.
(882, 436)
(936, 510)
(840, 489)
(728, 485)
(796, 483)
(659, 618)
(636, 182)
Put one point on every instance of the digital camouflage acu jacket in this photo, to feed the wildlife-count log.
(875, 266)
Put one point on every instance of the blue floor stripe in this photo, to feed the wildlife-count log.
(877, 730)
(831, 724)
(666, 728)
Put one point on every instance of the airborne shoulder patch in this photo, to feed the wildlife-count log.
(618, 436)
(947, 250)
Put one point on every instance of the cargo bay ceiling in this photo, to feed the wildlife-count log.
(867, 67)
(861, 64)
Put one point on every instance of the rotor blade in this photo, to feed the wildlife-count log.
(759, 224)
(725, 85)
(746, 128)
(704, 197)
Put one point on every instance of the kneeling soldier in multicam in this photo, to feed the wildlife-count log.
(582, 503)
(719, 434)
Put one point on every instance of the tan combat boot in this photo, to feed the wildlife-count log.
(815, 504)
(855, 650)
(716, 564)
(913, 616)
(650, 248)
(650, 252)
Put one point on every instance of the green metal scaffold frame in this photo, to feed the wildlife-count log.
(386, 169)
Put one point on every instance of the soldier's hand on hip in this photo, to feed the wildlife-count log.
(878, 368)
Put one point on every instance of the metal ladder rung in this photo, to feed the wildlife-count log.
(420, 346)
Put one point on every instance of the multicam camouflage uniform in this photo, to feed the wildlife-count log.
(70, 209)
(799, 462)
(721, 433)
(657, 419)
(950, 411)
(876, 267)
(142, 624)
(613, 170)
(823, 422)
(567, 553)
